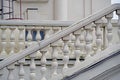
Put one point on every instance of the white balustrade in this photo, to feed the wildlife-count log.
(109, 28)
(38, 36)
(21, 38)
(88, 39)
(32, 67)
(98, 35)
(82, 42)
(12, 40)
(1, 73)
(21, 69)
(43, 64)
(11, 69)
(66, 52)
(118, 13)
(3, 39)
(54, 61)
(77, 46)
(82, 34)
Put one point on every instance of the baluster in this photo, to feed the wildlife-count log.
(32, 67)
(21, 69)
(21, 38)
(43, 64)
(3, 39)
(77, 46)
(72, 47)
(88, 39)
(98, 35)
(54, 63)
(12, 40)
(29, 36)
(82, 42)
(1, 73)
(109, 28)
(66, 53)
(48, 32)
(118, 13)
(38, 36)
(59, 42)
(10, 74)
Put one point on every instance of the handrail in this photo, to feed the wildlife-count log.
(58, 35)
(35, 23)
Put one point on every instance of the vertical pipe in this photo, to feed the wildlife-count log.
(9, 9)
(20, 10)
(12, 10)
(2, 17)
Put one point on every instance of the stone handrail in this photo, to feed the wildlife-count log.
(64, 34)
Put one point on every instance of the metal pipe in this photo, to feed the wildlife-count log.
(2, 14)
(20, 10)
(12, 9)
(9, 9)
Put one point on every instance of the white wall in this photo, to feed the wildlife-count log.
(62, 9)
(45, 10)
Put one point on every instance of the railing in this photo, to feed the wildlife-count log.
(85, 38)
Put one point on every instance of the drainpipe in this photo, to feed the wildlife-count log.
(20, 10)
(2, 17)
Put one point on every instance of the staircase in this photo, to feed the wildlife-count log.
(51, 50)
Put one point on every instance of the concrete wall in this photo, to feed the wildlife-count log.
(61, 9)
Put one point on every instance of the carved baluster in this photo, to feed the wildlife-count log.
(12, 40)
(11, 69)
(32, 67)
(109, 28)
(38, 36)
(71, 44)
(118, 13)
(3, 39)
(59, 42)
(77, 46)
(65, 52)
(21, 38)
(29, 36)
(1, 73)
(98, 35)
(48, 32)
(43, 64)
(54, 61)
(21, 69)
(88, 39)
(82, 42)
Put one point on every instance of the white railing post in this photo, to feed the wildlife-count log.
(82, 42)
(98, 35)
(88, 39)
(118, 13)
(54, 61)
(12, 40)
(21, 38)
(109, 29)
(32, 67)
(43, 64)
(66, 52)
(77, 46)
(29, 36)
(11, 69)
(3, 42)
(21, 69)
(1, 73)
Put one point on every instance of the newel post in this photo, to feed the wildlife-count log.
(118, 13)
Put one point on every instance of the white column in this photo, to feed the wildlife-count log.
(60, 9)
